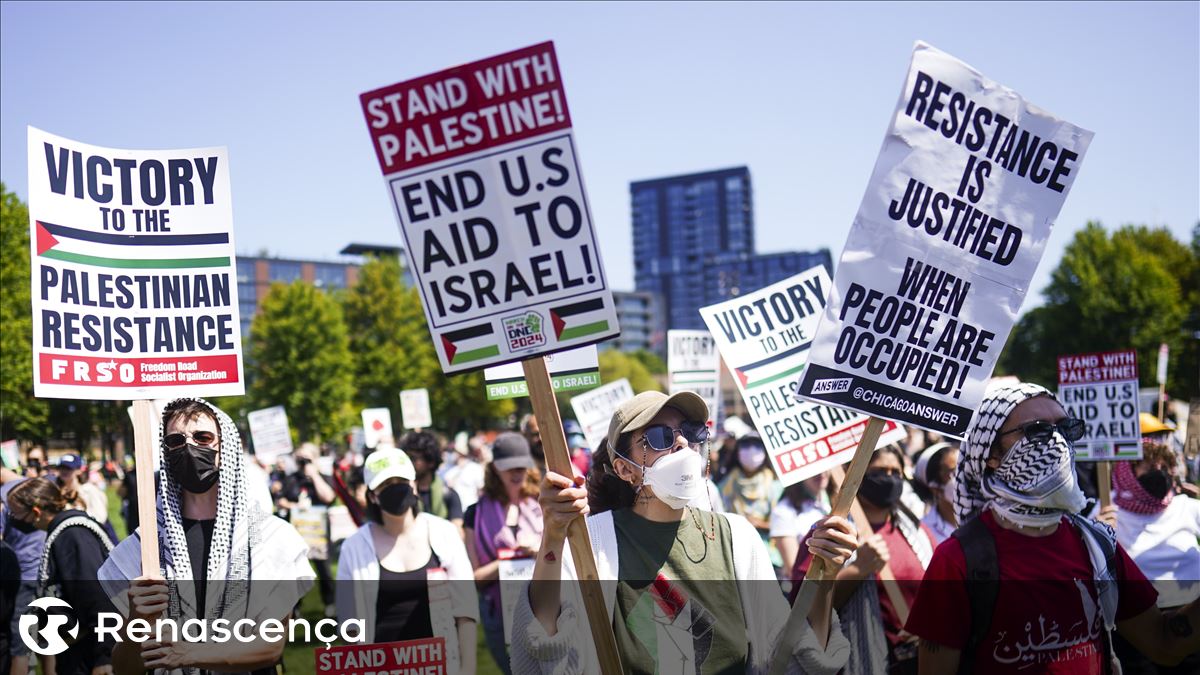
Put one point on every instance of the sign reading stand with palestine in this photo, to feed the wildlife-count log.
(939, 258)
(132, 272)
(1102, 390)
(764, 338)
(483, 171)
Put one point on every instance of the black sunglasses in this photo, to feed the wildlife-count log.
(661, 437)
(1071, 429)
(177, 441)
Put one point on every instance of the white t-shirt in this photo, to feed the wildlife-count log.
(466, 479)
(939, 526)
(1164, 547)
(787, 521)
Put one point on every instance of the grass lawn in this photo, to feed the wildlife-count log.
(299, 658)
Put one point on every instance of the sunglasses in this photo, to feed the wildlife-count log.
(661, 437)
(177, 441)
(1071, 429)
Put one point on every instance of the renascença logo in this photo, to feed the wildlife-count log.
(42, 630)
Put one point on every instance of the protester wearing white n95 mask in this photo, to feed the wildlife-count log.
(693, 591)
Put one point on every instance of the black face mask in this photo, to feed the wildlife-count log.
(1156, 482)
(396, 499)
(22, 526)
(881, 489)
(194, 467)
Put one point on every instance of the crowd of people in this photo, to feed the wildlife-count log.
(705, 544)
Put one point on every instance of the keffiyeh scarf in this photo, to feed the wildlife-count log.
(1131, 496)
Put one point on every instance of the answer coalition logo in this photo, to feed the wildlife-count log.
(42, 629)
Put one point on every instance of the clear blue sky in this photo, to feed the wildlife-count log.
(799, 93)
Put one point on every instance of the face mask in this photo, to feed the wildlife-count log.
(949, 489)
(882, 489)
(677, 478)
(1157, 483)
(22, 526)
(1038, 474)
(751, 457)
(396, 499)
(194, 467)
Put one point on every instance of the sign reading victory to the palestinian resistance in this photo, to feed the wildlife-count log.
(954, 221)
(694, 364)
(1102, 390)
(270, 433)
(594, 409)
(481, 165)
(133, 274)
(571, 370)
(764, 338)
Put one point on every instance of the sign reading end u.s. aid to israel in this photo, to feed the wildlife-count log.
(482, 169)
(132, 272)
(939, 257)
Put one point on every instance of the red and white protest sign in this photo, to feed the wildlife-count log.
(484, 175)
(1102, 390)
(411, 657)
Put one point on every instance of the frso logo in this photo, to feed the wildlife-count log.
(524, 331)
(42, 631)
(837, 386)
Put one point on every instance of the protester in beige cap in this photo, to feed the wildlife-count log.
(694, 589)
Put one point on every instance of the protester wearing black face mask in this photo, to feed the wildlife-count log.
(902, 544)
(385, 568)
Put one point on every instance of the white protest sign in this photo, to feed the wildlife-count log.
(270, 433)
(10, 454)
(481, 165)
(594, 409)
(1102, 390)
(953, 224)
(414, 409)
(341, 523)
(310, 522)
(1164, 355)
(377, 426)
(570, 370)
(513, 573)
(764, 338)
(694, 364)
(133, 273)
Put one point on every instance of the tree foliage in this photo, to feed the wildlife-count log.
(300, 358)
(1134, 289)
(21, 415)
(616, 364)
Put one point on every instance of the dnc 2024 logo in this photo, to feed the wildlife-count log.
(44, 624)
(524, 331)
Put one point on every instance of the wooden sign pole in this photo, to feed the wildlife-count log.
(558, 460)
(797, 620)
(144, 423)
(1104, 482)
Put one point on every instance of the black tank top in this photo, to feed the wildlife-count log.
(402, 604)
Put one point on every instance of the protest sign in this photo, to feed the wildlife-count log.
(764, 339)
(377, 426)
(953, 224)
(571, 370)
(513, 571)
(694, 364)
(310, 522)
(132, 271)
(481, 165)
(414, 409)
(1191, 442)
(1101, 389)
(426, 656)
(10, 454)
(594, 409)
(270, 433)
(341, 523)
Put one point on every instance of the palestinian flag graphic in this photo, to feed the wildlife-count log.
(580, 319)
(470, 344)
(766, 371)
(59, 242)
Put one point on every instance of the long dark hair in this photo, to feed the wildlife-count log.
(898, 508)
(41, 493)
(606, 490)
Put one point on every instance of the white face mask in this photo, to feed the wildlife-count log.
(677, 478)
(751, 457)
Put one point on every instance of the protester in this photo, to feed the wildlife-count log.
(75, 547)
(305, 487)
(934, 475)
(506, 522)
(800, 507)
(35, 462)
(463, 473)
(27, 543)
(1159, 529)
(10, 586)
(669, 561)
(1051, 583)
(750, 489)
(436, 498)
(389, 568)
(871, 620)
(220, 553)
(82, 494)
(577, 445)
(127, 491)
(533, 435)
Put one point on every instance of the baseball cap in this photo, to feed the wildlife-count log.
(1151, 424)
(70, 461)
(639, 410)
(510, 450)
(387, 463)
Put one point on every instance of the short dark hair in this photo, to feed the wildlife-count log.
(189, 409)
(422, 445)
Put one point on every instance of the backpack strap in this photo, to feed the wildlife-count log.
(983, 583)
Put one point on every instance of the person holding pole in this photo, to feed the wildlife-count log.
(220, 554)
(1048, 586)
(694, 591)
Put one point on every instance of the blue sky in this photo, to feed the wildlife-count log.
(801, 94)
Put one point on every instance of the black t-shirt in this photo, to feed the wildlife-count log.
(294, 484)
(402, 605)
(75, 556)
(469, 517)
(199, 534)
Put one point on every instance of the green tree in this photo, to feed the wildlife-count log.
(654, 364)
(21, 415)
(1113, 292)
(300, 358)
(393, 351)
(616, 364)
